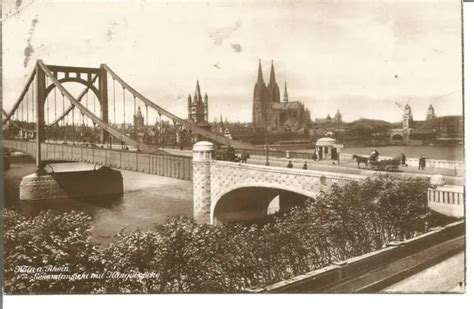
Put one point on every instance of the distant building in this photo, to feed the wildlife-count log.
(330, 120)
(430, 115)
(407, 118)
(269, 111)
(198, 110)
(338, 117)
(402, 135)
(434, 129)
(138, 120)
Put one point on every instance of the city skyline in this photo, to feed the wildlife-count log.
(221, 44)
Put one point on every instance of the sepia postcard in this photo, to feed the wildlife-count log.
(305, 146)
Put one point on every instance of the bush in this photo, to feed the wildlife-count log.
(48, 240)
(348, 221)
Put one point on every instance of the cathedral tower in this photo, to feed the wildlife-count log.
(259, 99)
(273, 89)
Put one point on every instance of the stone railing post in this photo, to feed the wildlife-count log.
(202, 157)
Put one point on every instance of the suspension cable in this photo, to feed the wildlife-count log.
(146, 113)
(123, 88)
(114, 98)
(27, 112)
(23, 109)
(82, 128)
(65, 121)
(134, 115)
(55, 115)
(33, 99)
(73, 126)
(87, 106)
(162, 137)
(47, 112)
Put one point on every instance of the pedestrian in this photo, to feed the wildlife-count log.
(404, 160)
(420, 162)
(305, 165)
(423, 162)
(290, 165)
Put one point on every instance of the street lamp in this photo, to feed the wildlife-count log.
(267, 163)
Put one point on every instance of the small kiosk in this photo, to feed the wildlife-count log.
(327, 149)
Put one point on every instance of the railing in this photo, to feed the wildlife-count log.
(434, 163)
(278, 153)
(446, 196)
(431, 163)
(174, 166)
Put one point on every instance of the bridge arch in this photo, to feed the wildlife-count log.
(75, 80)
(250, 193)
(397, 138)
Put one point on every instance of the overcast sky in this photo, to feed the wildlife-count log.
(358, 56)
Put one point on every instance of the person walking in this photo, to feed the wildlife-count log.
(404, 160)
(420, 160)
(305, 165)
(423, 162)
(290, 165)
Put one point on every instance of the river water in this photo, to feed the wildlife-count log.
(147, 199)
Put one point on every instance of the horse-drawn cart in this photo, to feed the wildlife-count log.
(372, 163)
(389, 165)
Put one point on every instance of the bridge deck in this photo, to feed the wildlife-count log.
(173, 166)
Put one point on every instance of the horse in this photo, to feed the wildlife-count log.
(360, 159)
(244, 156)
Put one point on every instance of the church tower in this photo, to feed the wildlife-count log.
(273, 89)
(197, 107)
(285, 95)
(260, 105)
(431, 113)
(338, 117)
(407, 118)
(138, 120)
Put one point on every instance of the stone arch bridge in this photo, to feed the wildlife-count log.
(220, 185)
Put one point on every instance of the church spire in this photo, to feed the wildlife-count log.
(285, 94)
(197, 93)
(273, 89)
(272, 75)
(260, 74)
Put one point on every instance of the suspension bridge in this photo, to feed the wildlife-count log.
(46, 111)
(51, 124)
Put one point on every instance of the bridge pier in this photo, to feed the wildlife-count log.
(71, 184)
(202, 157)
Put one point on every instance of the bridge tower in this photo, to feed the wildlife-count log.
(81, 75)
(40, 99)
(202, 157)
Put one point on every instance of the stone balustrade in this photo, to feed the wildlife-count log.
(432, 163)
(445, 199)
